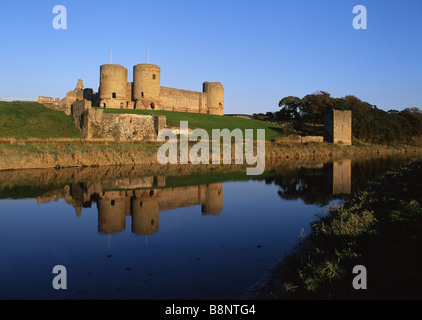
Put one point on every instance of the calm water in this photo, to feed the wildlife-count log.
(125, 235)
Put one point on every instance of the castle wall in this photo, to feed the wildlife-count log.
(120, 127)
(145, 92)
(342, 129)
(78, 109)
(182, 100)
(338, 126)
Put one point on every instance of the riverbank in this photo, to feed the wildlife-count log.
(57, 153)
(379, 228)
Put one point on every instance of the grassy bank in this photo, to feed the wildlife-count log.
(23, 120)
(78, 153)
(379, 228)
(209, 122)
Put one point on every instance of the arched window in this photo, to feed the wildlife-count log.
(153, 76)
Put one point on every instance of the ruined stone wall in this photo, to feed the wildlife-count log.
(318, 139)
(50, 103)
(120, 127)
(78, 110)
(338, 126)
(300, 139)
(342, 127)
(44, 100)
(182, 100)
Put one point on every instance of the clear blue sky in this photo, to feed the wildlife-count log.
(260, 50)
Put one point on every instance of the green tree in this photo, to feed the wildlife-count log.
(290, 108)
(314, 105)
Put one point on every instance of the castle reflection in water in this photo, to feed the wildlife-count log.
(144, 198)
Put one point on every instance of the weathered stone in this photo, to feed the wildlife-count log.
(338, 126)
(120, 127)
(145, 92)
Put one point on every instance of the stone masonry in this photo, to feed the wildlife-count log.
(338, 126)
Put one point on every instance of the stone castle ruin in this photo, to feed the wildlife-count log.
(145, 92)
(338, 126)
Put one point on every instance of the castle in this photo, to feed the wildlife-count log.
(338, 126)
(146, 92)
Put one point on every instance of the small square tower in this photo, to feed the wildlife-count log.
(338, 126)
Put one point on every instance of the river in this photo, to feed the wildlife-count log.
(124, 234)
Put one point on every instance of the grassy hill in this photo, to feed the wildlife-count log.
(209, 121)
(22, 120)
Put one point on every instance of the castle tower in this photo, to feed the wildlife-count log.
(146, 86)
(113, 86)
(215, 97)
(338, 126)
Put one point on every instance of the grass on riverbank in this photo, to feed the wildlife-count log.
(379, 228)
(209, 122)
(23, 120)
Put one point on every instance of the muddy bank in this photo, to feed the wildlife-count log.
(57, 155)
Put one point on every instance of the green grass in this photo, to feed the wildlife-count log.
(380, 227)
(209, 122)
(309, 129)
(23, 120)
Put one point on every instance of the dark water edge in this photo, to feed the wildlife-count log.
(378, 230)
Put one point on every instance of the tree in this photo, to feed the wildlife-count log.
(291, 107)
(314, 105)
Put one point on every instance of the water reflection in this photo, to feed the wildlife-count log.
(188, 256)
(143, 198)
(319, 183)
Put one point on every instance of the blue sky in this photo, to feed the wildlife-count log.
(261, 51)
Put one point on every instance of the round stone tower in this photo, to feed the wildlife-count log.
(113, 84)
(146, 83)
(215, 97)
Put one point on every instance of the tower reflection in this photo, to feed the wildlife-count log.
(143, 200)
